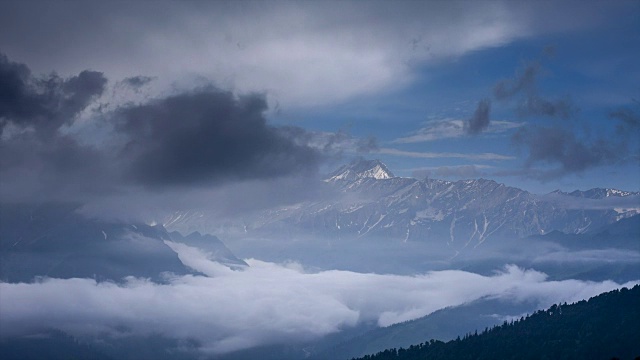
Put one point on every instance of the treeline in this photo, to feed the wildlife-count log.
(605, 327)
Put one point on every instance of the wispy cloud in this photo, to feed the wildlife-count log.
(344, 50)
(562, 147)
(441, 155)
(589, 256)
(452, 128)
(457, 172)
(523, 86)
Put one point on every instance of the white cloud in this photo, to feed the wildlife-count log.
(452, 128)
(440, 155)
(456, 171)
(590, 256)
(301, 53)
(264, 304)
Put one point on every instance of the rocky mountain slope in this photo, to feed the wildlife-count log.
(460, 215)
(54, 240)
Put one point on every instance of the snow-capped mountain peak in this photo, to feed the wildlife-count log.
(597, 193)
(458, 214)
(361, 169)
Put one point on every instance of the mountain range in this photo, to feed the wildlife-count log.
(373, 203)
(370, 221)
(55, 240)
(389, 221)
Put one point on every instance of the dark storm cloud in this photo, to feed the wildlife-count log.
(555, 145)
(480, 119)
(37, 160)
(207, 135)
(45, 102)
(523, 86)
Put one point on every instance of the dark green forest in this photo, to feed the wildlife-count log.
(604, 327)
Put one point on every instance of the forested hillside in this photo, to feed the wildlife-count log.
(604, 327)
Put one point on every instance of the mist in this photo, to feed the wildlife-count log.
(267, 303)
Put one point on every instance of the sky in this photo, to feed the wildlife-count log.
(144, 107)
(110, 99)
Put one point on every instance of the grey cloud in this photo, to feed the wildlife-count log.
(330, 144)
(37, 160)
(480, 119)
(435, 130)
(457, 172)
(224, 201)
(523, 81)
(571, 149)
(208, 135)
(555, 145)
(628, 130)
(46, 102)
(341, 141)
(629, 120)
(374, 41)
(436, 155)
(453, 128)
(368, 144)
(33, 168)
(549, 51)
(263, 304)
(531, 103)
(136, 82)
(535, 105)
(574, 202)
(590, 256)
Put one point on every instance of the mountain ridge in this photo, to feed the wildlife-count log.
(458, 215)
(54, 240)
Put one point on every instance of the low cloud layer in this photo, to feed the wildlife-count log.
(265, 304)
